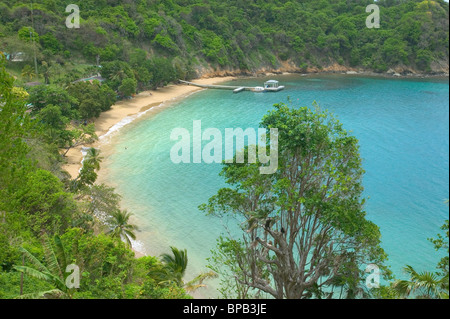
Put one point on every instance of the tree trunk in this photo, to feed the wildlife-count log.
(21, 275)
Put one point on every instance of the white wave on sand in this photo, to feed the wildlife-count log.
(125, 121)
(130, 118)
(138, 246)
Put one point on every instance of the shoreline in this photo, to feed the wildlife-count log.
(385, 75)
(288, 67)
(126, 111)
(145, 102)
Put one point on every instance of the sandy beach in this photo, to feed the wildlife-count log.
(140, 103)
(148, 99)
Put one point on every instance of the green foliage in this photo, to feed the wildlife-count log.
(44, 95)
(394, 51)
(115, 72)
(49, 42)
(93, 98)
(152, 290)
(42, 203)
(425, 284)
(28, 72)
(14, 128)
(51, 116)
(441, 243)
(8, 254)
(10, 284)
(423, 59)
(81, 135)
(36, 199)
(86, 177)
(128, 87)
(100, 199)
(118, 19)
(224, 261)
(176, 264)
(214, 48)
(88, 173)
(52, 271)
(173, 270)
(239, 35)
(162, 71)
(165, 42)
(98, 256)
(291, 219)
(142, 45)
(121, 228)
(28, 34)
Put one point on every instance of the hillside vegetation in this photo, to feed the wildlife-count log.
(50, 221)
(196, 37)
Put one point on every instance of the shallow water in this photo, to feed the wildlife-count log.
(402, 126)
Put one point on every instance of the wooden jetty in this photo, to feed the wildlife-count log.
(269, 86)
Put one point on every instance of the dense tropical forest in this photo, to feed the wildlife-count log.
(189, 38)
(50, 221)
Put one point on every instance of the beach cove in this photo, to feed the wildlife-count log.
(401, 125)
(179, 150)
(125, 111)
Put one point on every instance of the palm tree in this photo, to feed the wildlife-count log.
(120, 228)
(93, 157)
(53, 271)
(28, 72)
(174, 269)
(87, 175)
(176, 264)
(424, 285)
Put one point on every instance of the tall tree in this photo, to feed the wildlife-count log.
(121, 228)
(51, 116)
(304, 227)
(93, 98)
(44, 95)
(88, 175)
(128, 87)
(93, 157)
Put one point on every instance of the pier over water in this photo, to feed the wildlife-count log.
(269, 86)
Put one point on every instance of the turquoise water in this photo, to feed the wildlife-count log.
(402, 125)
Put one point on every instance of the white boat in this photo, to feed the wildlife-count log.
(272, 86)
(258, 89)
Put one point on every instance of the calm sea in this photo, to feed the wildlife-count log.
(402, 126)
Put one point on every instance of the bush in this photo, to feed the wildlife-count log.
(128, 87)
